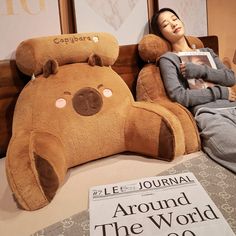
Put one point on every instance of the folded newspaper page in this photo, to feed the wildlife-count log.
(173, 205)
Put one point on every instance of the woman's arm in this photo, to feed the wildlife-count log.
(221, 76)
(177, 92)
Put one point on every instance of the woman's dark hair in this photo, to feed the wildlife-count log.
(154, 25)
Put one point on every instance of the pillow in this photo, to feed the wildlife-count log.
(151, 46)
(33, 53)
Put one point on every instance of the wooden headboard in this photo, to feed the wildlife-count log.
(12, 81)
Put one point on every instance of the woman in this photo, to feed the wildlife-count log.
(214, 107)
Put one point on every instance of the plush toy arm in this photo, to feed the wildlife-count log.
(35, 167)
(155, 131)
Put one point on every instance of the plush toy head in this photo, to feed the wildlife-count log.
(72, 113)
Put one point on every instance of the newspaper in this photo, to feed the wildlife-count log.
(200, 58)
(173, 205)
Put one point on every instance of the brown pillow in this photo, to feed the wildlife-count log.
(33, 53)
(151, 46)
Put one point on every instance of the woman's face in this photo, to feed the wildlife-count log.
(170, 26)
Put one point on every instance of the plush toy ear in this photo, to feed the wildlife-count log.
(50, 67)
(95, 59)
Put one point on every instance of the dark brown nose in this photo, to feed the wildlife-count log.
(87, 101)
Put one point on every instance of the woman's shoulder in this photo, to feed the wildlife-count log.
(168, 59)
(170, 56)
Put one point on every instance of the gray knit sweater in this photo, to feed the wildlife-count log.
(177, 87)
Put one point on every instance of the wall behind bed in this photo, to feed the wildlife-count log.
(221, 22)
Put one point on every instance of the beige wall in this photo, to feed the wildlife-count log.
(222, 22)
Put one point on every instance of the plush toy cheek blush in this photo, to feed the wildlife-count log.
(107, 93)
(60, 103)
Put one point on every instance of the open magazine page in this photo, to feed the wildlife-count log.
(201, 58)
(173, 205)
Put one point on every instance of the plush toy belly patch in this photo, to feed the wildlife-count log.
(75, 110)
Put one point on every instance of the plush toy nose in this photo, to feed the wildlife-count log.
(87, 101)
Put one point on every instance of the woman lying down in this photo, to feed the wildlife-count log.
(204, 90)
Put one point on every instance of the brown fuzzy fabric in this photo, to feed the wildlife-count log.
(47, 177)
(32, 54)
(166, 142)
(151, 46)
(78, 114)
(95, 59)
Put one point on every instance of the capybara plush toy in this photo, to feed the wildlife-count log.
(76, 109)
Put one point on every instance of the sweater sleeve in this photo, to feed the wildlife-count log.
(221, 76)
(187, 97)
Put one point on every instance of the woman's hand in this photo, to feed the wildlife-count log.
(192, 70)
(232, 95)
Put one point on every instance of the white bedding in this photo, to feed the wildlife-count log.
(72, 197)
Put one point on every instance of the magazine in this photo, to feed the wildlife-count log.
(201, 58)
(172, 205)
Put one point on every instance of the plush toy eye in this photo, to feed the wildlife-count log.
(107, 93)
(60, 103)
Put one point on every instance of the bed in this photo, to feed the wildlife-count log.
(72, 198)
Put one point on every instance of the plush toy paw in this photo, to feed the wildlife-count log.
(35, 168)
